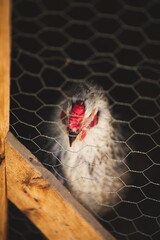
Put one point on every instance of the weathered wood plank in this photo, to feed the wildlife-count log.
(39, 195)
(4, 70)
(4, 106)
(3, 203)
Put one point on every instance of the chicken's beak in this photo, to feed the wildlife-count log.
(72, 136)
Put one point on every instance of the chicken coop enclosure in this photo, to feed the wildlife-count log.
(55, 44)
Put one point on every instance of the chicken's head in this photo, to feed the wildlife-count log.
(78, 122)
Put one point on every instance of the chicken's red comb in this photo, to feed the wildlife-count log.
(76, 115)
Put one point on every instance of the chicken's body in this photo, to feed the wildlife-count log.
(91, 166)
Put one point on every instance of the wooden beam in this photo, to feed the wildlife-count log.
(48, 204)
(3, 203)
(4, 106)
(4, 70)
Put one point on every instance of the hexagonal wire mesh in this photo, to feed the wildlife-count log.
(115, 43)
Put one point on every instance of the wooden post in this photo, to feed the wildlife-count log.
(4, 106)
(48, 204)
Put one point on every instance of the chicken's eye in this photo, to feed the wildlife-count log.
(94, 121)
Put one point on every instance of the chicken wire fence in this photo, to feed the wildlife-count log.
(116, 44)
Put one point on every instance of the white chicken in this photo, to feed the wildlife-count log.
(91, 161)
